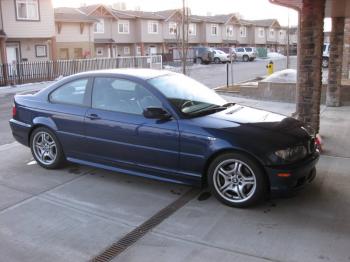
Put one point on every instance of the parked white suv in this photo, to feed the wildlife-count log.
(325, 55)
(220, 57)
(246, 53)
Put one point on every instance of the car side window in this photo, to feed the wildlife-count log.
(240, 50)
(248, 49)
(120, 95)
(70, 93)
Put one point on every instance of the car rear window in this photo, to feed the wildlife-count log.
(70, 93)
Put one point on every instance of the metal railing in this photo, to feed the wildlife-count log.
(36, 71)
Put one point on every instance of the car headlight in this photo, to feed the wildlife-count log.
(292, 153)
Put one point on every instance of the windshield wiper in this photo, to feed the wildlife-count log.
(227, 105)
(211, 109)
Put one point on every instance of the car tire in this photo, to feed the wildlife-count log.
(245, 58)
(217, 60)
(46, 148)
(325, 62)
(237, 180)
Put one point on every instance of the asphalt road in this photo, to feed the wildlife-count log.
(214, 75)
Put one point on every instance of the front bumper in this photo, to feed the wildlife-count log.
(301, 174)
(20, 131)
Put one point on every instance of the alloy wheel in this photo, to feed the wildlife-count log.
(234, 181)
(44, 148)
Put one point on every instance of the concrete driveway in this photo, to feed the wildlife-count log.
(75, 213)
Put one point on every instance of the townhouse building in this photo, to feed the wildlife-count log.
(268, 33)
(27, 30)
(74, 34)
(31, 30)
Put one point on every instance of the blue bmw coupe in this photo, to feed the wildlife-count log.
(167, 126)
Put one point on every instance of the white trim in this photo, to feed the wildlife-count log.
(194, 31)
(150, 27)
(172, 28)
(282, 34)
(138, 50)
(261, 32)
(229, 30)
(102, 23)
(216, 31)
(243, 31)
(35, 4)
(126, 27)
(126, 50)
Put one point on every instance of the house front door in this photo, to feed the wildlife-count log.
(12, 53)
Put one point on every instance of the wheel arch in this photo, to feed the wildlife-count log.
(217, 153)
(42, 122)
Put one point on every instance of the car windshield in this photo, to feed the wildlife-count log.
(190, 97)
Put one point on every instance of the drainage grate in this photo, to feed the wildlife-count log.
(128, 240)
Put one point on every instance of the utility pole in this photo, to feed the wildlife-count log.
(288, 59)
(184, 58)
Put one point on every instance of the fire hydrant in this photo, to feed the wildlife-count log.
(269, 67)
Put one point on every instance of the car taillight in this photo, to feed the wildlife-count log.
(14, 110)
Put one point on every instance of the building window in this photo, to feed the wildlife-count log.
(27, 9)
(99, 27)
(229, 31)
(78, 53)
(40, 51)
(126, 50)
(272, 33)
(172, 28)
(261, 32)
(99, 51)
(214, 29)
(281, 34)
(192, 29)
(123, 27)
(243, 31)
(153, 27)
(138, 50)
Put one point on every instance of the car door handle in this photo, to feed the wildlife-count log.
(93, 117)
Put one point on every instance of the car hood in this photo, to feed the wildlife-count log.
(260, 118)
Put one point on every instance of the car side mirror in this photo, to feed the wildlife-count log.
(156, 113)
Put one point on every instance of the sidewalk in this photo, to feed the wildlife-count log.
(74, 213)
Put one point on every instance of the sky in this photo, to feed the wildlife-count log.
(248, 9)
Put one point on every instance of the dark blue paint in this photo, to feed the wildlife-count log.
(178, 149)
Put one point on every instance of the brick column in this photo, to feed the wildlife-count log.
(346, 50)
(309, 80)
(335, 62)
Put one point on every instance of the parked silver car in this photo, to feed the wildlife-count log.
(220, 56)
(246, 53)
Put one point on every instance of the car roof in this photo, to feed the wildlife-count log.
(134, 72)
